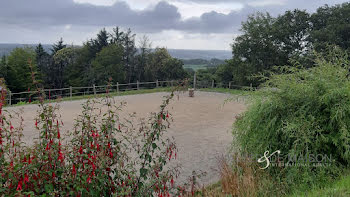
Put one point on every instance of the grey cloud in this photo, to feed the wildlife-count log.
(39, 13)
(36, 14)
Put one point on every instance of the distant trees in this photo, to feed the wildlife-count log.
(16, 70)
(163, 67)
(108, 64)
(108, 55)
(291, 37)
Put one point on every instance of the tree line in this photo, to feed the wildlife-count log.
(287, 40)
(110, 55)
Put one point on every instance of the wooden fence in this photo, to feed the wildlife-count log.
(29, 96)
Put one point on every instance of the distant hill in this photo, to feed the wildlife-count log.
(200, 54)
(5, 49)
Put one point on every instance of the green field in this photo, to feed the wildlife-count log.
(195, 67)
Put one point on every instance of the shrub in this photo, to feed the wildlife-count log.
(103, 156)
(302, 112)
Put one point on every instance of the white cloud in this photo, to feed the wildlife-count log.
(187, 9)
(179, 40)
(261, 3)
(191, 9)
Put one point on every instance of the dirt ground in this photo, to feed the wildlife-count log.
(201, 127)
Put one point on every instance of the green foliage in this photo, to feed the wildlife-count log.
(108, 63)
(206, 74)
(331, 26)
(104, 155)
(163, 67)
(339, 188)
(267, 42)
(18, 76)
(276, 41)
(302, 111)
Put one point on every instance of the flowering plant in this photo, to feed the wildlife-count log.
(101, 156)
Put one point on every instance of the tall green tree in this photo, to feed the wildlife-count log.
(331, 26)
(108, 64)
(44, 62)
(142, 59)
(62, 59)
(267, 42)
(128, 43)
(58, 46)
(18, 76)
(164, 67)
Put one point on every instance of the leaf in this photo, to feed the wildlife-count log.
(154, 146)
(48, 188)
(143, 172)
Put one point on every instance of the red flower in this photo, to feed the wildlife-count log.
(167, 115)
(88, 180)
(26, 178)
(172, 182)
(36, 123)
(74, 171)
(47, 146)
(19, 187)
(53, 175)
(60, 157)
(98, 147)
(58, 134)
(110, 154)
(81, 150)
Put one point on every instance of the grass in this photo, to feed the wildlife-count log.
(227, 91)
(338, 188)
(196, 67)
(121, 93)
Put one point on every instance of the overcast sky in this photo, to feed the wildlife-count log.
(179, 24)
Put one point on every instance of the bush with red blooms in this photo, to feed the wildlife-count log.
(102, 155)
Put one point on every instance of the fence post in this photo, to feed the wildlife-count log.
(94, 87)
(172, 83)
(70, 92)
(138, 85)
(251, 86)
(212, 84)
(117, 87)
(157, 84)
(194, 81)
(10, 99)
(229, 85)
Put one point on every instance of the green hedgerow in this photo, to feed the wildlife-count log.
(302, 112)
